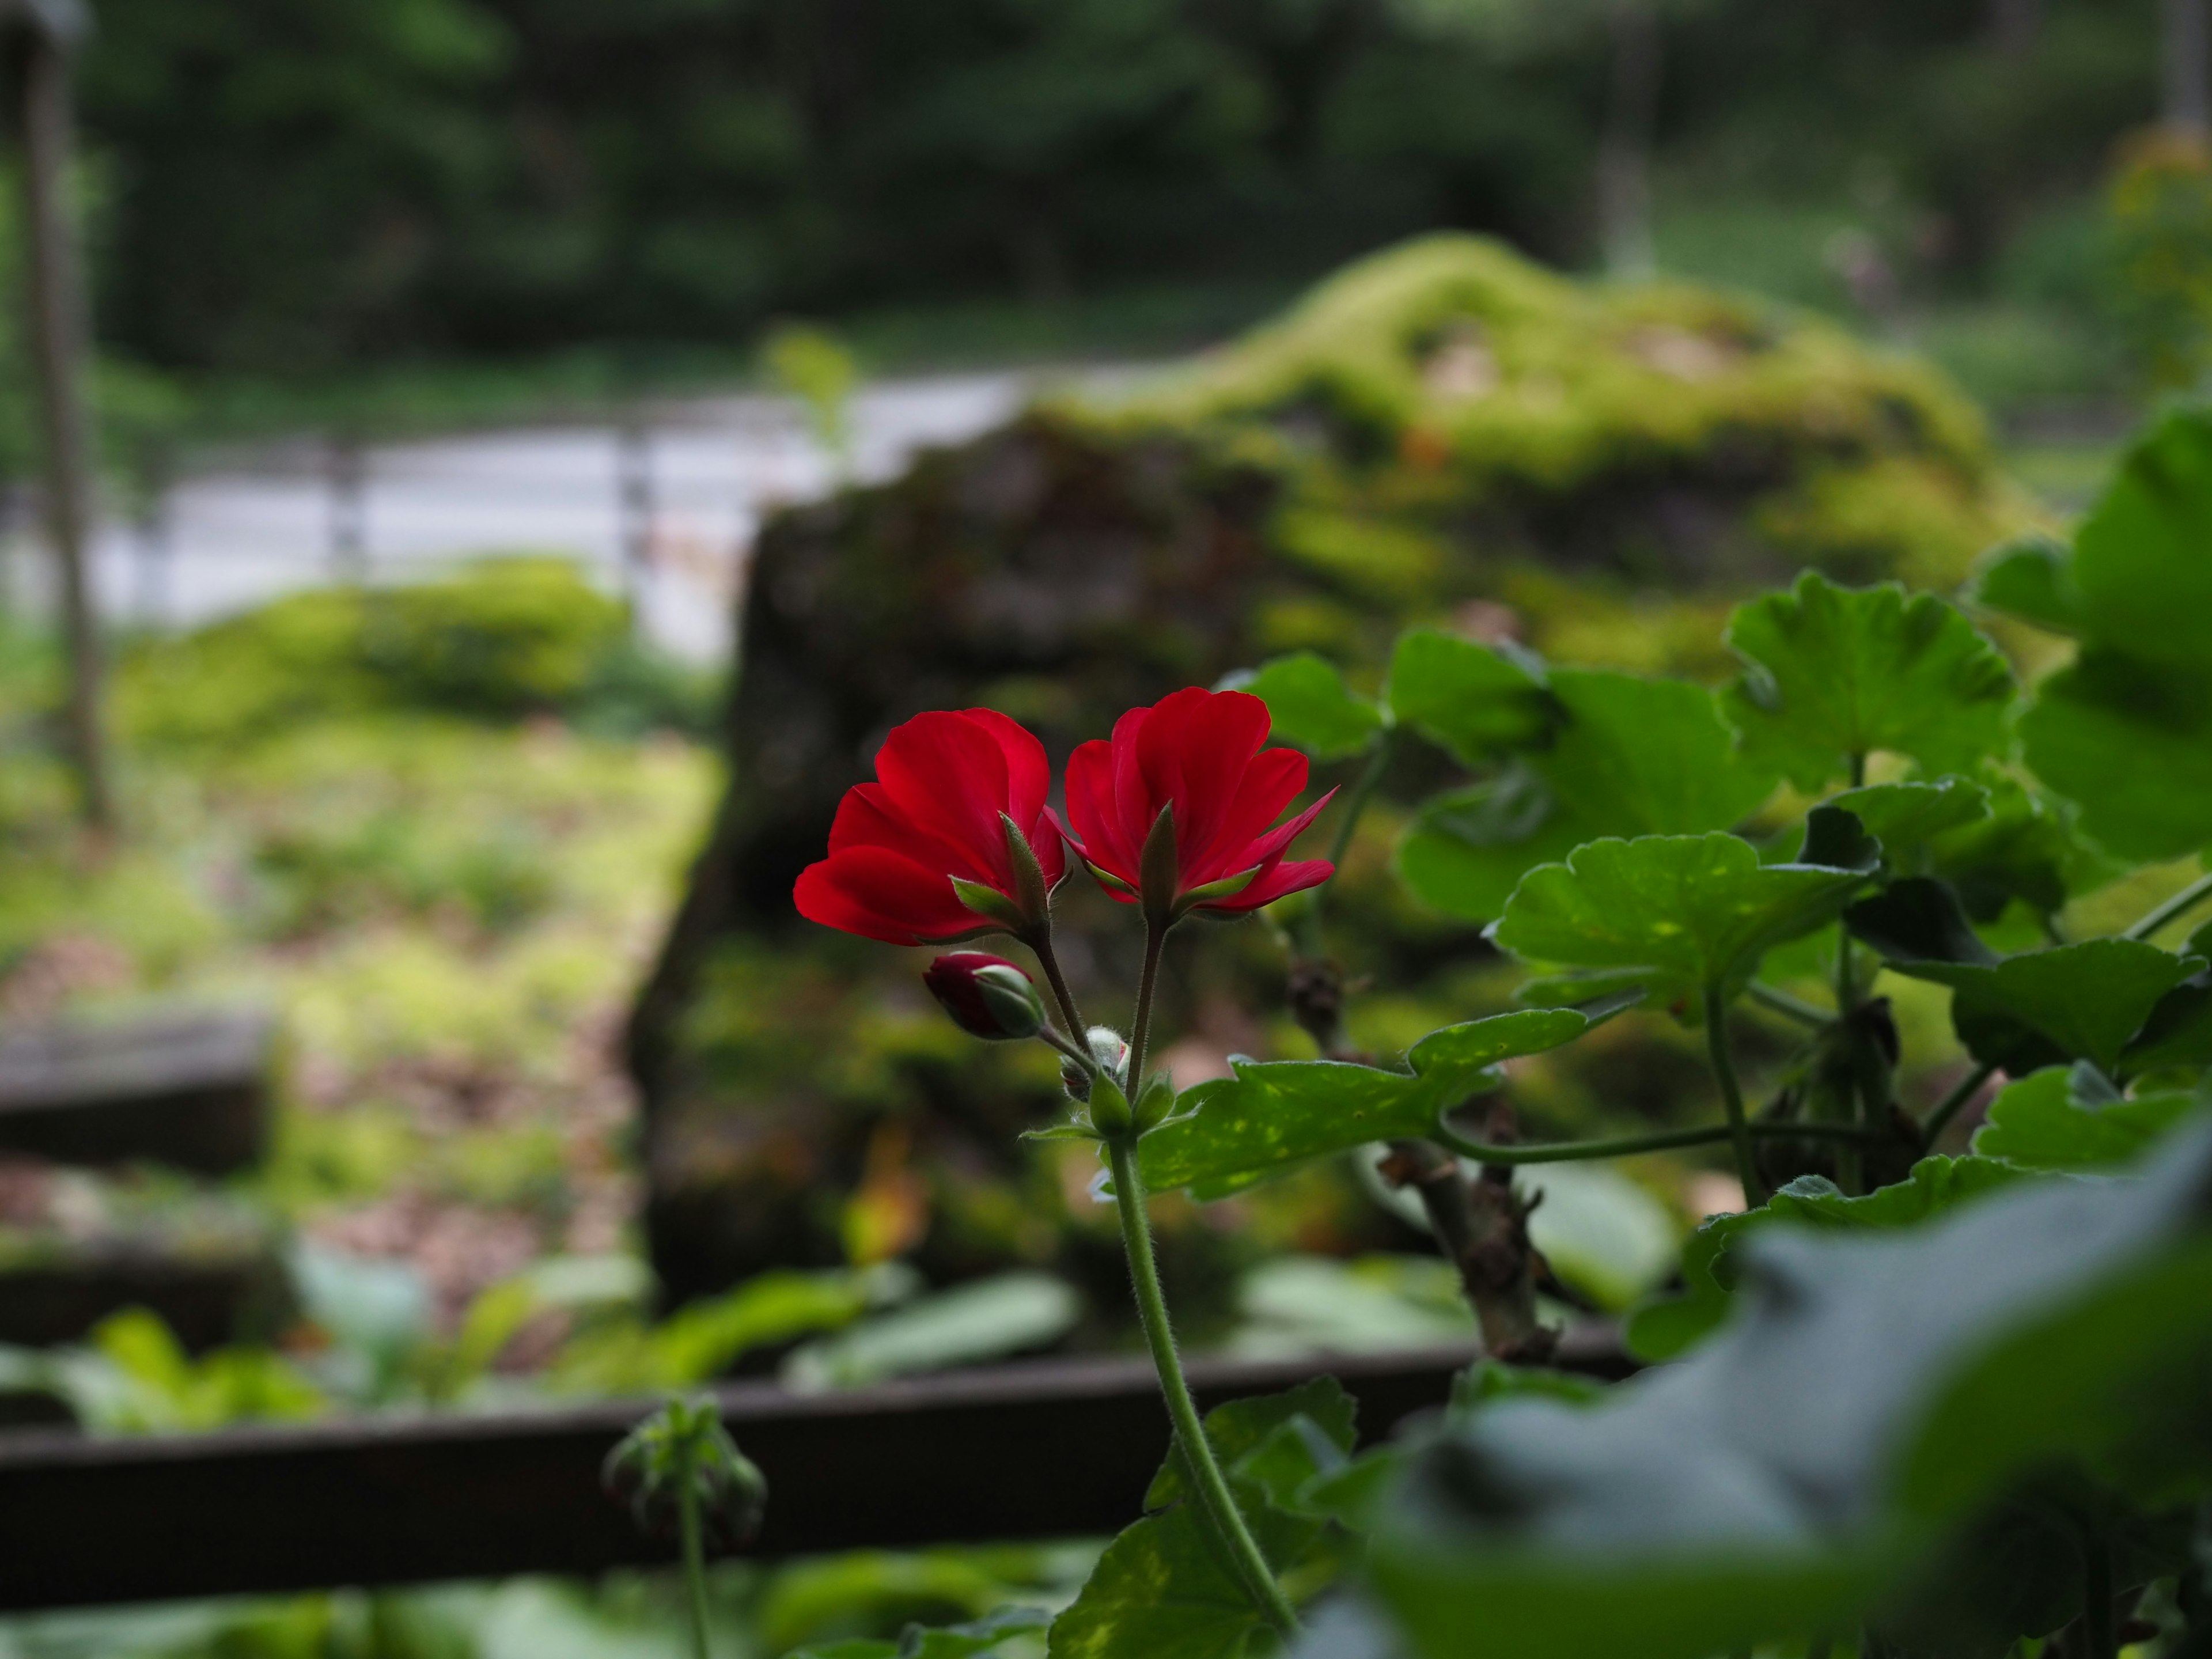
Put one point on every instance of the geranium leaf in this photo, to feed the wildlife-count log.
(1692, 910)
(2075, 1002)
(1840, 1449)
(1908, 819)
(1269, 1117)
(2026, 848)
(2130, 741)
(2177, 1035)
(1477, 702)
(1240, 1428)
(1629, 758)
(2032, 578)
(2059, 1119)
(1310, 705)
(1833, 672)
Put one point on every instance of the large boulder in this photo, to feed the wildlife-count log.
(1444, 431)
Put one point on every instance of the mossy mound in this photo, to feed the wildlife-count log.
(1445, 433)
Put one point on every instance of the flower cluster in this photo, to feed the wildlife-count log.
(1175, 812)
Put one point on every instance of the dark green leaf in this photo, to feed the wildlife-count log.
(2077, 1002)
(1908, 818)
(1918, 919)
(2059, 1119)
(1872, 1402)
(1693, 910)
(1477, 702)
(1310, 705)
(1631, 757)
(2177, 1036)
(1833, 672)
(1269, 1117)
(2025, 849)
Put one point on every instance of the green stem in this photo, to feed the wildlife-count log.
(1355, 806)
(1576, 1151)
(2179, 905)
(1952, 1103)
(1789, 1007)
(1213, 1494)
(1070, 1015)
(1140, 1028)
(1747, 1167)
(694, 1554)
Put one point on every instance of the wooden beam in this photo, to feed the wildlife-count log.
(1051, 1449)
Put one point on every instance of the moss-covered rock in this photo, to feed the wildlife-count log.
(1443, 432)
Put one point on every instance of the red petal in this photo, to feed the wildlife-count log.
(1194, 750)
(864, 818)
(882, 895)
(1277, 842)
(1095, 829)
(947, 775)
(1047, 841)
(1134, 804)
(1270, 783)
(1270, 884)
(1029, 774)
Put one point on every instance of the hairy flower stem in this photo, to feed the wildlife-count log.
(1747, 1166)
(1579, 1152)
(694, 1554)
(2178, 906)
(1040, 943)
(1140, 1029)
(1212, 1488)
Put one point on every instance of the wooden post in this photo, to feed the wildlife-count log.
(38, 57)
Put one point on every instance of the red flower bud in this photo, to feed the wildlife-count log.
(1173, 812)
(951, 842)
(988, 996)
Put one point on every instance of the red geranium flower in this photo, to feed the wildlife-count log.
(951, 840)
(1174, 811)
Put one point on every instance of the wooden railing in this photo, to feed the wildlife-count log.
(1048, 1449)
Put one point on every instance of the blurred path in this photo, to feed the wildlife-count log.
(684, 490)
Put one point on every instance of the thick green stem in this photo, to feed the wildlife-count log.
(2178, 906)
(1747, 1166)
(1141, 1028)
(1071, 1016)
(694, 1554)
(1213, 1489)
(1355, 806)
(1952, 1103)
(1661, 1140)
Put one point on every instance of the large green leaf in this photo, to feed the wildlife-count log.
(2025, 848)
(1162, 1589)
(2069, 1118)
(1310, 705)
(1692, 911)
(1832, 673)
(1269, 1117)
(1629, 758)
(1845, 1444)
(2130, 742)
(1911, 820)
(1477, 702)
(2126, 730)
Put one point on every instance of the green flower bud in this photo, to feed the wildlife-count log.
(1154, 1102)
(988, 996)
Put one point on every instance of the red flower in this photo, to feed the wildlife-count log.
(952, 839)
(1174, 810)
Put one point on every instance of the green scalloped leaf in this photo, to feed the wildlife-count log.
(1631, 757)
(1832, 673)
(1911, 819)
(1271, 1116)
(1477, 702)
(2061, 1118)
(2129, 741)
(1692, 910)
(1310, 705)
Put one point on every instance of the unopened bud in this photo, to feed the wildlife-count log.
(988, 996)
(1108, 1051)
(1154, 1100)
(1109, 1108)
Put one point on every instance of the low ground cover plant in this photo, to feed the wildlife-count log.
(1913, 1403)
